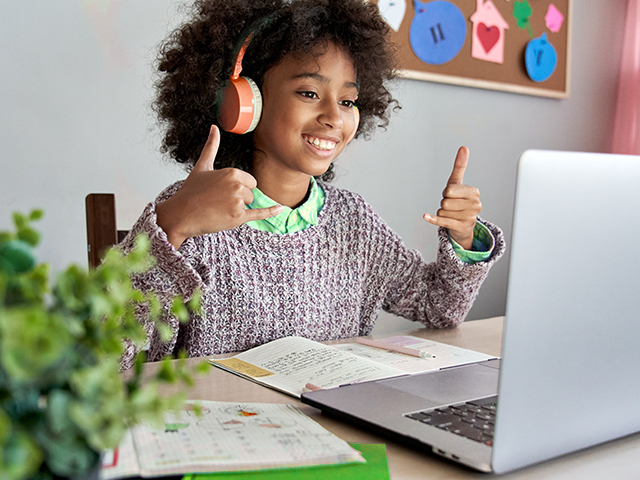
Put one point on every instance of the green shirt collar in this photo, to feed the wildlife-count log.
(289, 220)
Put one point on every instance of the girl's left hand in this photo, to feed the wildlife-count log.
(460, 204)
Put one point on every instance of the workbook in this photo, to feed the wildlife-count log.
(208, 436)
(293, 365)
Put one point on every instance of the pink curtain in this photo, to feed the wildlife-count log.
(626, 127)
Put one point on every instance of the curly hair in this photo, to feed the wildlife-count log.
(196, 61)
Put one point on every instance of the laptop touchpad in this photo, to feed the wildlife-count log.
(447, 386)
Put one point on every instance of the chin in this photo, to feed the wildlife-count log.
(318, 172)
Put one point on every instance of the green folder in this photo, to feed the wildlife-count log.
(376, 468)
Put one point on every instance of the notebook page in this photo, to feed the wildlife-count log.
(236, 436)
(288, 364)
(438, 355)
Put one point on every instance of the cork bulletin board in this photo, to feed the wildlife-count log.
(515, 46)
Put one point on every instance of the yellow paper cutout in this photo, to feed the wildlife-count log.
(244, 367)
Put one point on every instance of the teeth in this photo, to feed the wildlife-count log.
(321, 144)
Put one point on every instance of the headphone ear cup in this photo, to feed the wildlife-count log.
(241, 106)
(356, 117)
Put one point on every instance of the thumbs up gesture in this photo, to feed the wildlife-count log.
(210, 200)
(460, 204)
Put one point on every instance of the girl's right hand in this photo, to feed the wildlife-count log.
(210, 200)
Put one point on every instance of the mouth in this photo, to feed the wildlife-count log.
(320, 143)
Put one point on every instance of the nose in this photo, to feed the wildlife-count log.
(330, 114)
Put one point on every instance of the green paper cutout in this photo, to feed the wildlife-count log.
(522, 12)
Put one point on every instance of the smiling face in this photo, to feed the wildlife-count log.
(307, 116)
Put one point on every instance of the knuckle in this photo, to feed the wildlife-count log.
(237, 189)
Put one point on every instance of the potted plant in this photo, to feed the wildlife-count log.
(62, 397)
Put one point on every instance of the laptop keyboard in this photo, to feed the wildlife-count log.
(474, 420)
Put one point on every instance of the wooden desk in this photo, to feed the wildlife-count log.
(617, 460)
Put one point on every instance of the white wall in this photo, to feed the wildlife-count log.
(76, 78)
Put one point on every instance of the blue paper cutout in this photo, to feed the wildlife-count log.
(438, 31)
(540, 58)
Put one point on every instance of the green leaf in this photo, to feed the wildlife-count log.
(69, 456)
(195, 302)
(19, 220)
(32, 341)
(36, 215)
(166, 372)
(21, 456)
(180, 310)
(58, 417)
(165, 331)
(5, 426)
(17, 256)
(29, 236)
(203, 367)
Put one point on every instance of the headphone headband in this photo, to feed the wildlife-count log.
(237, 69)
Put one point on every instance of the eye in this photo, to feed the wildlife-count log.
(311, 95)
(348, 103)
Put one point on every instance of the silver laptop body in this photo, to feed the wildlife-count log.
(569, 376)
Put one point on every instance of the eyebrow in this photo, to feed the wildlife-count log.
(323, 79)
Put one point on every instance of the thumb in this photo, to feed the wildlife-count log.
(208, 156)
(459, 167)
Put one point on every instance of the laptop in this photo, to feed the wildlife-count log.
(569, 376)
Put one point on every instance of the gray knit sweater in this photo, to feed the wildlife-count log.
(326, 282)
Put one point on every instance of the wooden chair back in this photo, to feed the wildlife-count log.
(102, 232)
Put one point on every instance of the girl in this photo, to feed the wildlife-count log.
(276, 250)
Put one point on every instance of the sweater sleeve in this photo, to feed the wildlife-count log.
(176, 272)
(438, 294)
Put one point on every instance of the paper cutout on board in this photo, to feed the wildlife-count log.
(438, 31)
(487, 38)
(553, 19)
(522, 12)
(393, 12)
(540, 58)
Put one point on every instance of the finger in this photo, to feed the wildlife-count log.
(459, 167)
(461, 217)
(455, 190)
(262, 213)
(433, 219)
(247, 195)
(209, 151)
(446, 222)
(461, 205)
(246, 179)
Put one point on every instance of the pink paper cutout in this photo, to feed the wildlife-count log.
(553, 18)
(487, 40)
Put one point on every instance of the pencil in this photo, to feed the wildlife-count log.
(390, 347)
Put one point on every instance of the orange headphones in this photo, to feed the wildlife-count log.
(240, 106)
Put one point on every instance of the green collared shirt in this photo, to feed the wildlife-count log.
(306, 215)
(289, 220)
